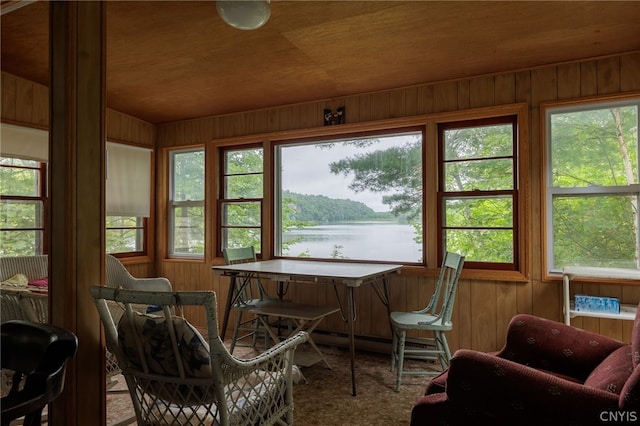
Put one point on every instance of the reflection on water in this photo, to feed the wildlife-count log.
(386, 241)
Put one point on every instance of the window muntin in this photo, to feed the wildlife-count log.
(186, 203)
(126, 234)
(478, 192)
(592, 185)
(22, 207)
(241, 198)
(356, 198)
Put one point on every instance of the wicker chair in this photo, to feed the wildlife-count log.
(175, 376)
(118, 276)
(24, 305)
(20, 304)
(15, 300)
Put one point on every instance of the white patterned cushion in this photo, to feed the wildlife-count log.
(156, 343)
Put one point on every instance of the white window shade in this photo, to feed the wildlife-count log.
(25, 143)
(128, 180)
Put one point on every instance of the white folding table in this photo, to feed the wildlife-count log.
(347, 274)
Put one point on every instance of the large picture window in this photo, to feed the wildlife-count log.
(592, 185)
(356, 198)
(186, 203)
(478, 191)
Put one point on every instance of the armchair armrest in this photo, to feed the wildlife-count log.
(555, 347)
(480, 383)
(289, 344)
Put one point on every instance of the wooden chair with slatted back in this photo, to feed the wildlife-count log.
(435, 318)
(248, 293)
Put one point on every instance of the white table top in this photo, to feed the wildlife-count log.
(348, 273)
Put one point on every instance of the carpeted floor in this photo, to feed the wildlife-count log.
(326, 400)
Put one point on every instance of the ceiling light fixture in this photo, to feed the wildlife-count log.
(244, 14)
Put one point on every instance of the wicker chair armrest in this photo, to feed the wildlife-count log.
(279, 349)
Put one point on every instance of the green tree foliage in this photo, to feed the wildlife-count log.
(594, 149)
(396, 171)
(188, 175)
(479, 159)
(122, 235)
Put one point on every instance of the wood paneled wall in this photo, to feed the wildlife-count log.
(483, 307)
(25, 103)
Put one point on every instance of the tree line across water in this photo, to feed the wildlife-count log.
(316, 209)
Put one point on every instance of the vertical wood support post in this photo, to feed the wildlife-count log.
(76, 193)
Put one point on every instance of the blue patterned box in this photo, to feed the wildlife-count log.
(610, 305)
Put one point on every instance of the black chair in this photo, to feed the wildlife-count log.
(37, 354)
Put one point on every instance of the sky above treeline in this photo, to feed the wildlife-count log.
(306, 171)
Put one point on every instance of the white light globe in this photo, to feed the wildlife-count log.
(244, 14)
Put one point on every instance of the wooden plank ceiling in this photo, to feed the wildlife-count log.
(175, 60)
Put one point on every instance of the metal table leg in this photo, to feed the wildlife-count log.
(227, 310)
(351, 316)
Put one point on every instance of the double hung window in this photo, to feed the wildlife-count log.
(22, 207)
(592, 184)
(241, 198)
(128, 199)
(478, 191)
(186, 203)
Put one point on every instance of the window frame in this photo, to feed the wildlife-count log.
(42, 197)
(429, 123)
(145, 225)
(384, 131)
(173, 205)
(222, 198)
(443, 195)
(548, 191)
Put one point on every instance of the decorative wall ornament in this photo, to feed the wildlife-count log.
(331, 118)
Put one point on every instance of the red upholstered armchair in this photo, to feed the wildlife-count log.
(547, 373)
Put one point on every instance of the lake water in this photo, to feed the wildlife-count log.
(385, 241)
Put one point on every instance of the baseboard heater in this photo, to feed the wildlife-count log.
(362, 343)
